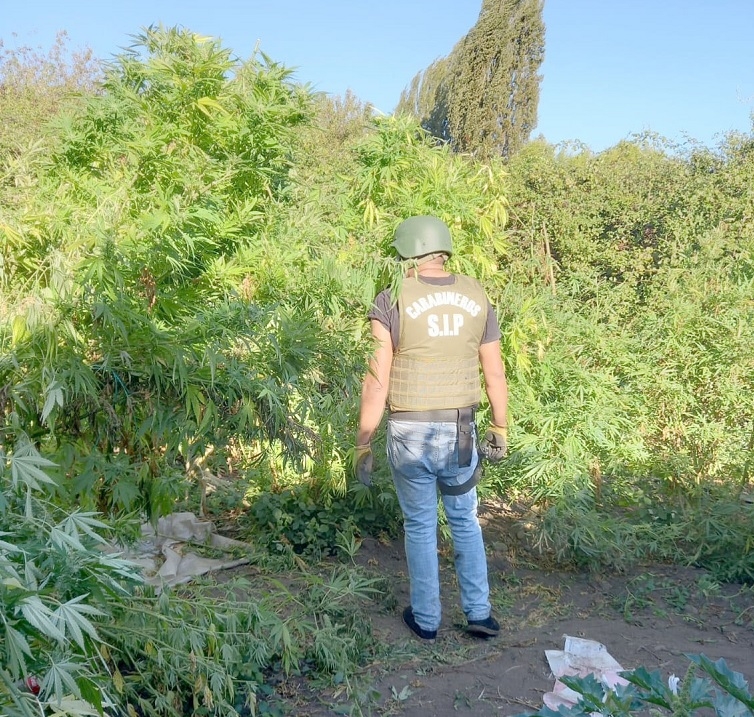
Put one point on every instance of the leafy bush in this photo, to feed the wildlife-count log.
(617, 532)
(79, 622)
(627, 329)
(189, 653)
(133, 349)
(316, 525)
(721, 689)
(58, 590)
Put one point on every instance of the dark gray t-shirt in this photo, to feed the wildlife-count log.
(386, 312)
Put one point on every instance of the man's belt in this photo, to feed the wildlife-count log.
(437, 415)
(463, 418)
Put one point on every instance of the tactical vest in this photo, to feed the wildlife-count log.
(436, 362)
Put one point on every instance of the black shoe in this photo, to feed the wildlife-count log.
(408, 618)
(484, 628)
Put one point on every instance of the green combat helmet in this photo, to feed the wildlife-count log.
(419, 236)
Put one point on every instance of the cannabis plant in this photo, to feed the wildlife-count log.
(81, 634)
(57, 590)
(133, 347)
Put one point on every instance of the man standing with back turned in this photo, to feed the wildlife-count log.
(426, 369)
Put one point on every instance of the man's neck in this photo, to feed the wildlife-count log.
(433, 272)
(433, 269)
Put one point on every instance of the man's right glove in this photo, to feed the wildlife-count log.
(363, 464)
(494, 445)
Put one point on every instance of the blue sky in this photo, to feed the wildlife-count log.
(681, 68)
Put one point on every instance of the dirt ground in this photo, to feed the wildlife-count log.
(652, 617)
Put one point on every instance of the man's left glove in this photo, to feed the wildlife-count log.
(363, 464)
(494, 445)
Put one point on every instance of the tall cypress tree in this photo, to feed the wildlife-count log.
(483, 97)
(427, 98)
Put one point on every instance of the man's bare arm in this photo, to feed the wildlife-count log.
(375, 386)
(496, 384)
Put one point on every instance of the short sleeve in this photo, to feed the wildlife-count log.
(385, 310)
(492, 328)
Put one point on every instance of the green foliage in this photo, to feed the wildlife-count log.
(721, 689)
(719, 538)
(571, 401)
(634, 523)
(400, 173)
(495, 82)
(134, 347)
(300, 520)
(699, 334)
(482, 98)
(35, 86)
(77, 619)
(628, 337)
(427, 96)
(189, 653)
(58, 590)
(579, 532)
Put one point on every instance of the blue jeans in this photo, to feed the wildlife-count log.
(421, 455)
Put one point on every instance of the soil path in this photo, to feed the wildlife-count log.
(652, 617)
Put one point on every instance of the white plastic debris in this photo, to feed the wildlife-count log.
(580, 658)
(161, 556)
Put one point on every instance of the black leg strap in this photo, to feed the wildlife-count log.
(476, 476)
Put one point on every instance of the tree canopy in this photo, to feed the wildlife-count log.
(483, 97)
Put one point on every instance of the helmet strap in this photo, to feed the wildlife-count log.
(429, 257)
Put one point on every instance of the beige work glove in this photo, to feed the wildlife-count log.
(494, 445)
(363, 462)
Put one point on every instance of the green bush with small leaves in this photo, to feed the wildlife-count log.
(318, 526)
